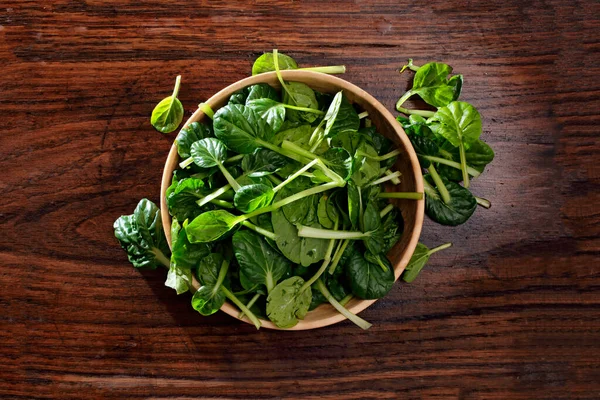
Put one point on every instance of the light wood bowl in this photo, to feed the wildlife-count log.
(407, 164)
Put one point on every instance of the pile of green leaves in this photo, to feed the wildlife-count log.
(278, 205)
(447, 142)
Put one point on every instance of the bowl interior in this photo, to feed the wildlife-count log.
(407, 164)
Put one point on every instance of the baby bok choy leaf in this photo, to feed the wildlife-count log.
(141, 236)
(260, 264)
(460, 124)
(212, 274)
(211, 152)
(456, 211)
(419, 259)
(288, 302)
(367, 279)
(432, 84)
(168, 114)
(265, 63)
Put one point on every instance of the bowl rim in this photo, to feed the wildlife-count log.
(290, 75)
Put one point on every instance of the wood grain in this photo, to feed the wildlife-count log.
(511, 311)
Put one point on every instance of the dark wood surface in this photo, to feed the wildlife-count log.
(511, 311)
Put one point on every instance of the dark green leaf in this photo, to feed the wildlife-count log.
(392, 228)
(301, 95)
(339, 160)
(262, 91)
(368, 280)
(252, 197)
(241, 128)
(460, 208)
(263, 162)
(273, 112)
(371, 222)
(208, 152)
(288, 241)
(190, 134)
(424, 147)
(259, 263)
(239, 97)
(341, 119)
(416, 263)
(182, 197)
(210, 298)
(141, 236)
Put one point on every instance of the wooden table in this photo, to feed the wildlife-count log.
(512, 311)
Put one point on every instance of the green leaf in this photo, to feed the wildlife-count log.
(259, 263)
(312, 250)
(349, 141)
(299, 135)
(366, 169)
(371, 222)
(418, 261)
(262, 91)
(186, 255)
(368, 280)
(271, 111)
(341, 117)
(182, 197)
(326, 212)
(190, 134)
(433, 86)
(168, 114)
(179, 279)
(297, 211)
(340, 161)
(212, 273)
(460, 208)
(240, 128)
(353, 203)
(252, 197)
(459, 123)
(478, 156)
(210, 226)
(424, 147)
(141, 236)
(209, 152)
(263, 162)
(301, 95)
(392, 226)
(288, 241)
(265, 63)
(239, 97)
(286, 304)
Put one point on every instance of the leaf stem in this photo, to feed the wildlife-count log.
(175, 90)
(386, 178)
(401, 195)
(250, 304)
(472, 171)
(241, 306)
(206, 109)
(326, 261)
(441, 187)
(410, 66)
(161, 257)
(230, 179)
(186, 163)
(391, 154)
(233, 159)
(463, 164)
(440, 247)
(485, 203)
(395, 181)
(317, 233)
(305, 109)
(403, 99)
(217, 193)
(295, 175)
(222, 203)
(334, 69)
(338, 255)
(422, 113)
(274, 179)
(363, 114)
(346, 299)
(341, 309)
(278, 73)
(386, 210)
(260, 230)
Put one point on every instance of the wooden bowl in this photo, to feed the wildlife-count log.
(407, 164)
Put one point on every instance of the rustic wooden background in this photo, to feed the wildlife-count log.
(512, 311)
